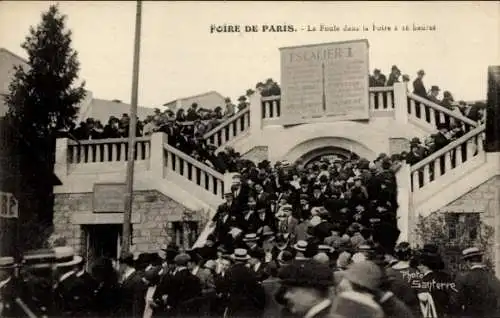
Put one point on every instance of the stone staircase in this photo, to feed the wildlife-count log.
(423, 188)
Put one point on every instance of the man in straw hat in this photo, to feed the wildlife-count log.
(245, 297)
(478, 289)
(66, 291)
(306, 289)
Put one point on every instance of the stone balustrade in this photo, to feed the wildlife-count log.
(432, 113)
(229, 129)
(445, 160)
(197, 173)
(106, 150)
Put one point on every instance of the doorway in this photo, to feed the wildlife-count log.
(102, 240)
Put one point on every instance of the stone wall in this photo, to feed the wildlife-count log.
(485, 200)
(152, 211)
(398, 145)
(257, 154)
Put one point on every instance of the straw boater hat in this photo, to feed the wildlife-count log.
(250, 237)
(65, 256)
(6, 262)
(240, 255)
(471, 252)
(42, 258)
(300, 246)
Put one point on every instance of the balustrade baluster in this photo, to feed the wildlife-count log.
(372, 100)
(114, 152)
(139, 152)
(170, 160)
(123, 152)
(480, 139)
(83, 153)
(98, 152)
(188, 173)
(178, 167)
(471, 148)
(203, 179)
(427, 175)
(442, 117)
(415, 180)
(211, 183)
(105, 153)
(218, 188)
(146, 150)
(267, 109)
(390, 104)
(247, 120)
(447, 161)
(275, 109)
(432, 119)
(437, 168)
(380, 100)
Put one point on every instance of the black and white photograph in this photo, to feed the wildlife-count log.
(250, 159)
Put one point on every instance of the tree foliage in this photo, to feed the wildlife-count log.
(435, 229)
(43, 97)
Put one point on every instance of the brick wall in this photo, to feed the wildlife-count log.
(257, 154)
(152, 211)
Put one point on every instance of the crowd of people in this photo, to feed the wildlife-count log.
(314, 240)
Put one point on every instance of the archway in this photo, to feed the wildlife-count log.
(339, 146)
(330, 152)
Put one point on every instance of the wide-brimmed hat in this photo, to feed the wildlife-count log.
(306, 274)
(435, 88)
(325, 248)
(6, 262)
(300, 246)
(65, 256)
(41, 258)
(240, 254)
(365, 273)
(250, 237)
(471, 252)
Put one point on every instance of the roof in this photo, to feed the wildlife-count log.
(102, 109)
(174, 102)
(7, 62)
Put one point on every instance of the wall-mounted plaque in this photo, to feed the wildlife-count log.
(324, 82)
(109, 197)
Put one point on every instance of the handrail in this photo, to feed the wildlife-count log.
(443, 109)
(193, 161)
(105, 141)
(448, 148)
(270, 98)
(226, 122)
(375, 89)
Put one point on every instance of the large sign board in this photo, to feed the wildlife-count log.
(109, 197)
(324, 82)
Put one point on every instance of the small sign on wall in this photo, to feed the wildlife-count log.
(109, 197)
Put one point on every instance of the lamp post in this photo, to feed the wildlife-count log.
(127, 215)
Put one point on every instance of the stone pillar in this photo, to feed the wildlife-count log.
(61, 164)
(255, 114)
(404, 213)
(157, 160)
(400, 103)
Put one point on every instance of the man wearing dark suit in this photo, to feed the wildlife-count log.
(245, 296)
(240, 192)
(66, 291)
(183, 289)
(478, 289)
(418, 85)
(85, 285)
(133, 289)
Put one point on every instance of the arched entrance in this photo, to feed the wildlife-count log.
(330, 152)
(339, 146)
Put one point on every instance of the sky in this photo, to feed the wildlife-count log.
(180, 57)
